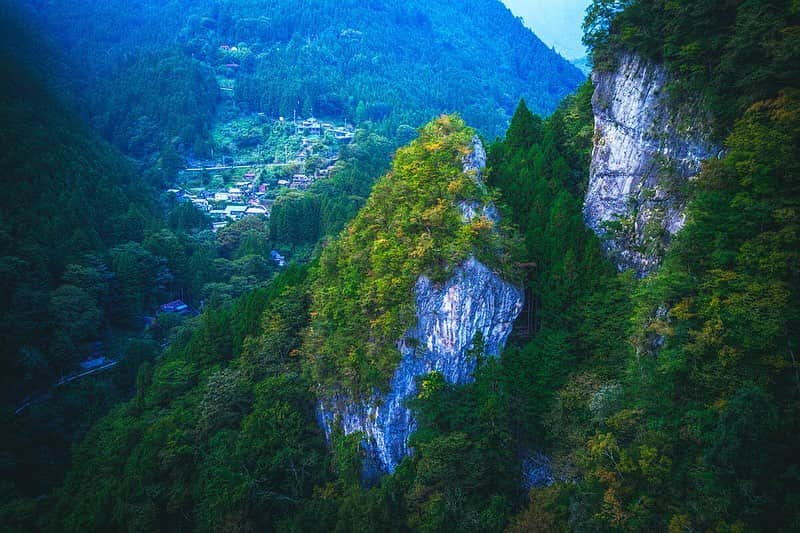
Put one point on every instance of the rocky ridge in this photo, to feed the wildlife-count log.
(475, 304)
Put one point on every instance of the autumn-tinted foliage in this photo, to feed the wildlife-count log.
(714, 411)
(411, 225)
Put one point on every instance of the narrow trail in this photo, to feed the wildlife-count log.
(41, 397)
(229, 167)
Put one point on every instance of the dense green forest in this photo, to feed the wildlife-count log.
(730, 54)
(668, 403)
(146, 73)
(710, 416)
(89, 249)
(239, 378)
(88, 252)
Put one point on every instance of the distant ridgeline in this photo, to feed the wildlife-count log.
(148, 71)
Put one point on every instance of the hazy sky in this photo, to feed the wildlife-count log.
(556, 22)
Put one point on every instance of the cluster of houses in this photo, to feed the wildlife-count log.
(250, 197)
(312, 127)
(310, 130)
(233, 203)
(301, 182)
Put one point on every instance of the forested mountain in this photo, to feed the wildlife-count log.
(147, 70)
(71, 206)
(89, 251)
(69, 195)
(397, 382)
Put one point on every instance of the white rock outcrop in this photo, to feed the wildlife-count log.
(645, 150)
(449, 318)
(474, 303)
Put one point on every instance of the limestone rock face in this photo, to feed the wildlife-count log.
(645, 151)
(474, 303)
(449, 317)
(474, 163)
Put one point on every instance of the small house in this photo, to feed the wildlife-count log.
(301, 182)
(235, 211)
(201, 204)
(175, 306)
(97, 362)
(343, 136)
(278, 258)
(256, 210)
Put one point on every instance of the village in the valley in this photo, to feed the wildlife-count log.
(261, 159)
(256, 158)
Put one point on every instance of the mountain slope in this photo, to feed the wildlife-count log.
(67, 195)
(669, 402)
(222, 432)
(86, 251)
(388, 62)
(415, 225)
(69, 200)
(420, 300)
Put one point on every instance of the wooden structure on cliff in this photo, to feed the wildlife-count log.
(528, 322)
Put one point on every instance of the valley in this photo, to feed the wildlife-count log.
(343, 266)
(260, 159)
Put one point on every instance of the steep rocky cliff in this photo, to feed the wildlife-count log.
(475, 301)
(474, 306)
(646, 149)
